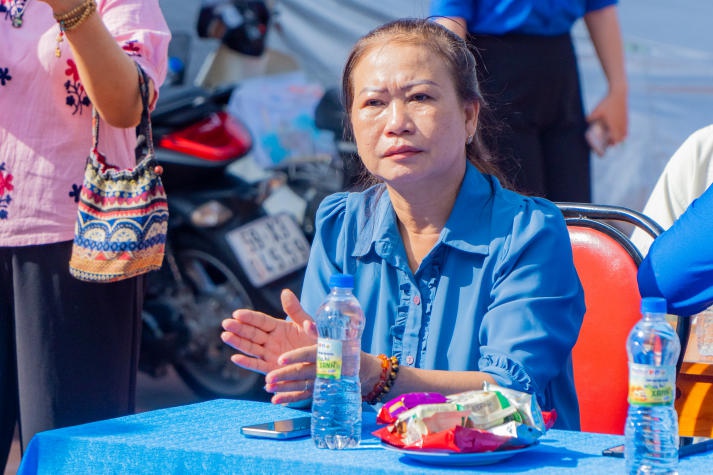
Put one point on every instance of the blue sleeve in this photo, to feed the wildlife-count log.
(453, 8)
(679, 265)
(537, 302)
(325, 247)
(592, 5)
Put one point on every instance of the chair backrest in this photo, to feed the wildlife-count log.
(607, 263)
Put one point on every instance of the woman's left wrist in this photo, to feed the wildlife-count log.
(388, 371)
(62, 7)
(70, 18)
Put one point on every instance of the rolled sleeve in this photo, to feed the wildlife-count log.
(537, 304)
(506, 372)
(138, 26)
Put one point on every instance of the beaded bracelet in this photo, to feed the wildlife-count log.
(376, 391)
(389, 372)
(72, 19)
(73, 12)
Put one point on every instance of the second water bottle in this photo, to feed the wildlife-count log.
(336, 404)
(652, 424)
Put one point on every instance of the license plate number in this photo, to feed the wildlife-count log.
(269, 248)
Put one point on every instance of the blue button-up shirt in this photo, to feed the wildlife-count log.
(498, 292)
(531, 17)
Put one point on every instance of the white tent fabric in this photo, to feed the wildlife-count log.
(320, 32)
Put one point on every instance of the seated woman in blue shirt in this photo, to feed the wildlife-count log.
(679, 265)
(460, 279)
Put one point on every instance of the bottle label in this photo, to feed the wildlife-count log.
(651, 385)
(329, 358)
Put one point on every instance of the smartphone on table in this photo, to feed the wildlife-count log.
(686, 446)
(282, 429)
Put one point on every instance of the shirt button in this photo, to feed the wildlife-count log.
(417, 300)
(409, 360)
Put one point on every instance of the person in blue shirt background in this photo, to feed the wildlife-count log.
(461, 280)
(679, 265)
(529, 78)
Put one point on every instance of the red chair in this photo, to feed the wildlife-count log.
(607, 263)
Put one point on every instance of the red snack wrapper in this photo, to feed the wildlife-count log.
(391, 438)
(550, 418)
(455, 439)
(463, 439)
(390, 411)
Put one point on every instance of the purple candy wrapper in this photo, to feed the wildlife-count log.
(390, 411)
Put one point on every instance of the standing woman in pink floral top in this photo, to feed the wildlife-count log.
(68, 349)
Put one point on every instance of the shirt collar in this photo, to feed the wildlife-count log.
(473, 205)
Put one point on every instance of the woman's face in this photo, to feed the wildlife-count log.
(408, 122)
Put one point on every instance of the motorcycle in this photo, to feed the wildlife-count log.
(224, 250)
(234, 241)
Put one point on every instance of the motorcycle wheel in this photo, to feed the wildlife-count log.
(204, 361)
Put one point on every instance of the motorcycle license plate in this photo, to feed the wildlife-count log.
(269, 248)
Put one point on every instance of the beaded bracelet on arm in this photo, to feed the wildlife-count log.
(389, 372)
(72, 19)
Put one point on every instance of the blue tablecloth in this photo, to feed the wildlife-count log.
(205, 438)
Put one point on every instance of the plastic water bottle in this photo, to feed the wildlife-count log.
(652, 423)
(336, 404)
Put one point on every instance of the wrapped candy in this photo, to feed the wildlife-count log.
(425, 419)
(390, 410)
(494, 418)
(488, 408)
(525, 403)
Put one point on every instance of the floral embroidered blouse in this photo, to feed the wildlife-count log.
(45, 114)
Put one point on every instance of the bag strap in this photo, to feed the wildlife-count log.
(144, 127)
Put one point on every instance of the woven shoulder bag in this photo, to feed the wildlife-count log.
(122, 216)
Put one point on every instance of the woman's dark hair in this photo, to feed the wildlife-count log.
(452, 49)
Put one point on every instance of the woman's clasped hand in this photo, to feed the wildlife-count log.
(285, 350)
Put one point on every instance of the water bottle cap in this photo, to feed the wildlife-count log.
(343, 281)
(653, 305)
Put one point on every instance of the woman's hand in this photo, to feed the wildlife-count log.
(293, 379)
(605, 33)
(275, 347)
(611, 111)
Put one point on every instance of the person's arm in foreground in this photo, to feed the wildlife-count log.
(605, 32)
(107, 73)
(679, 265)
